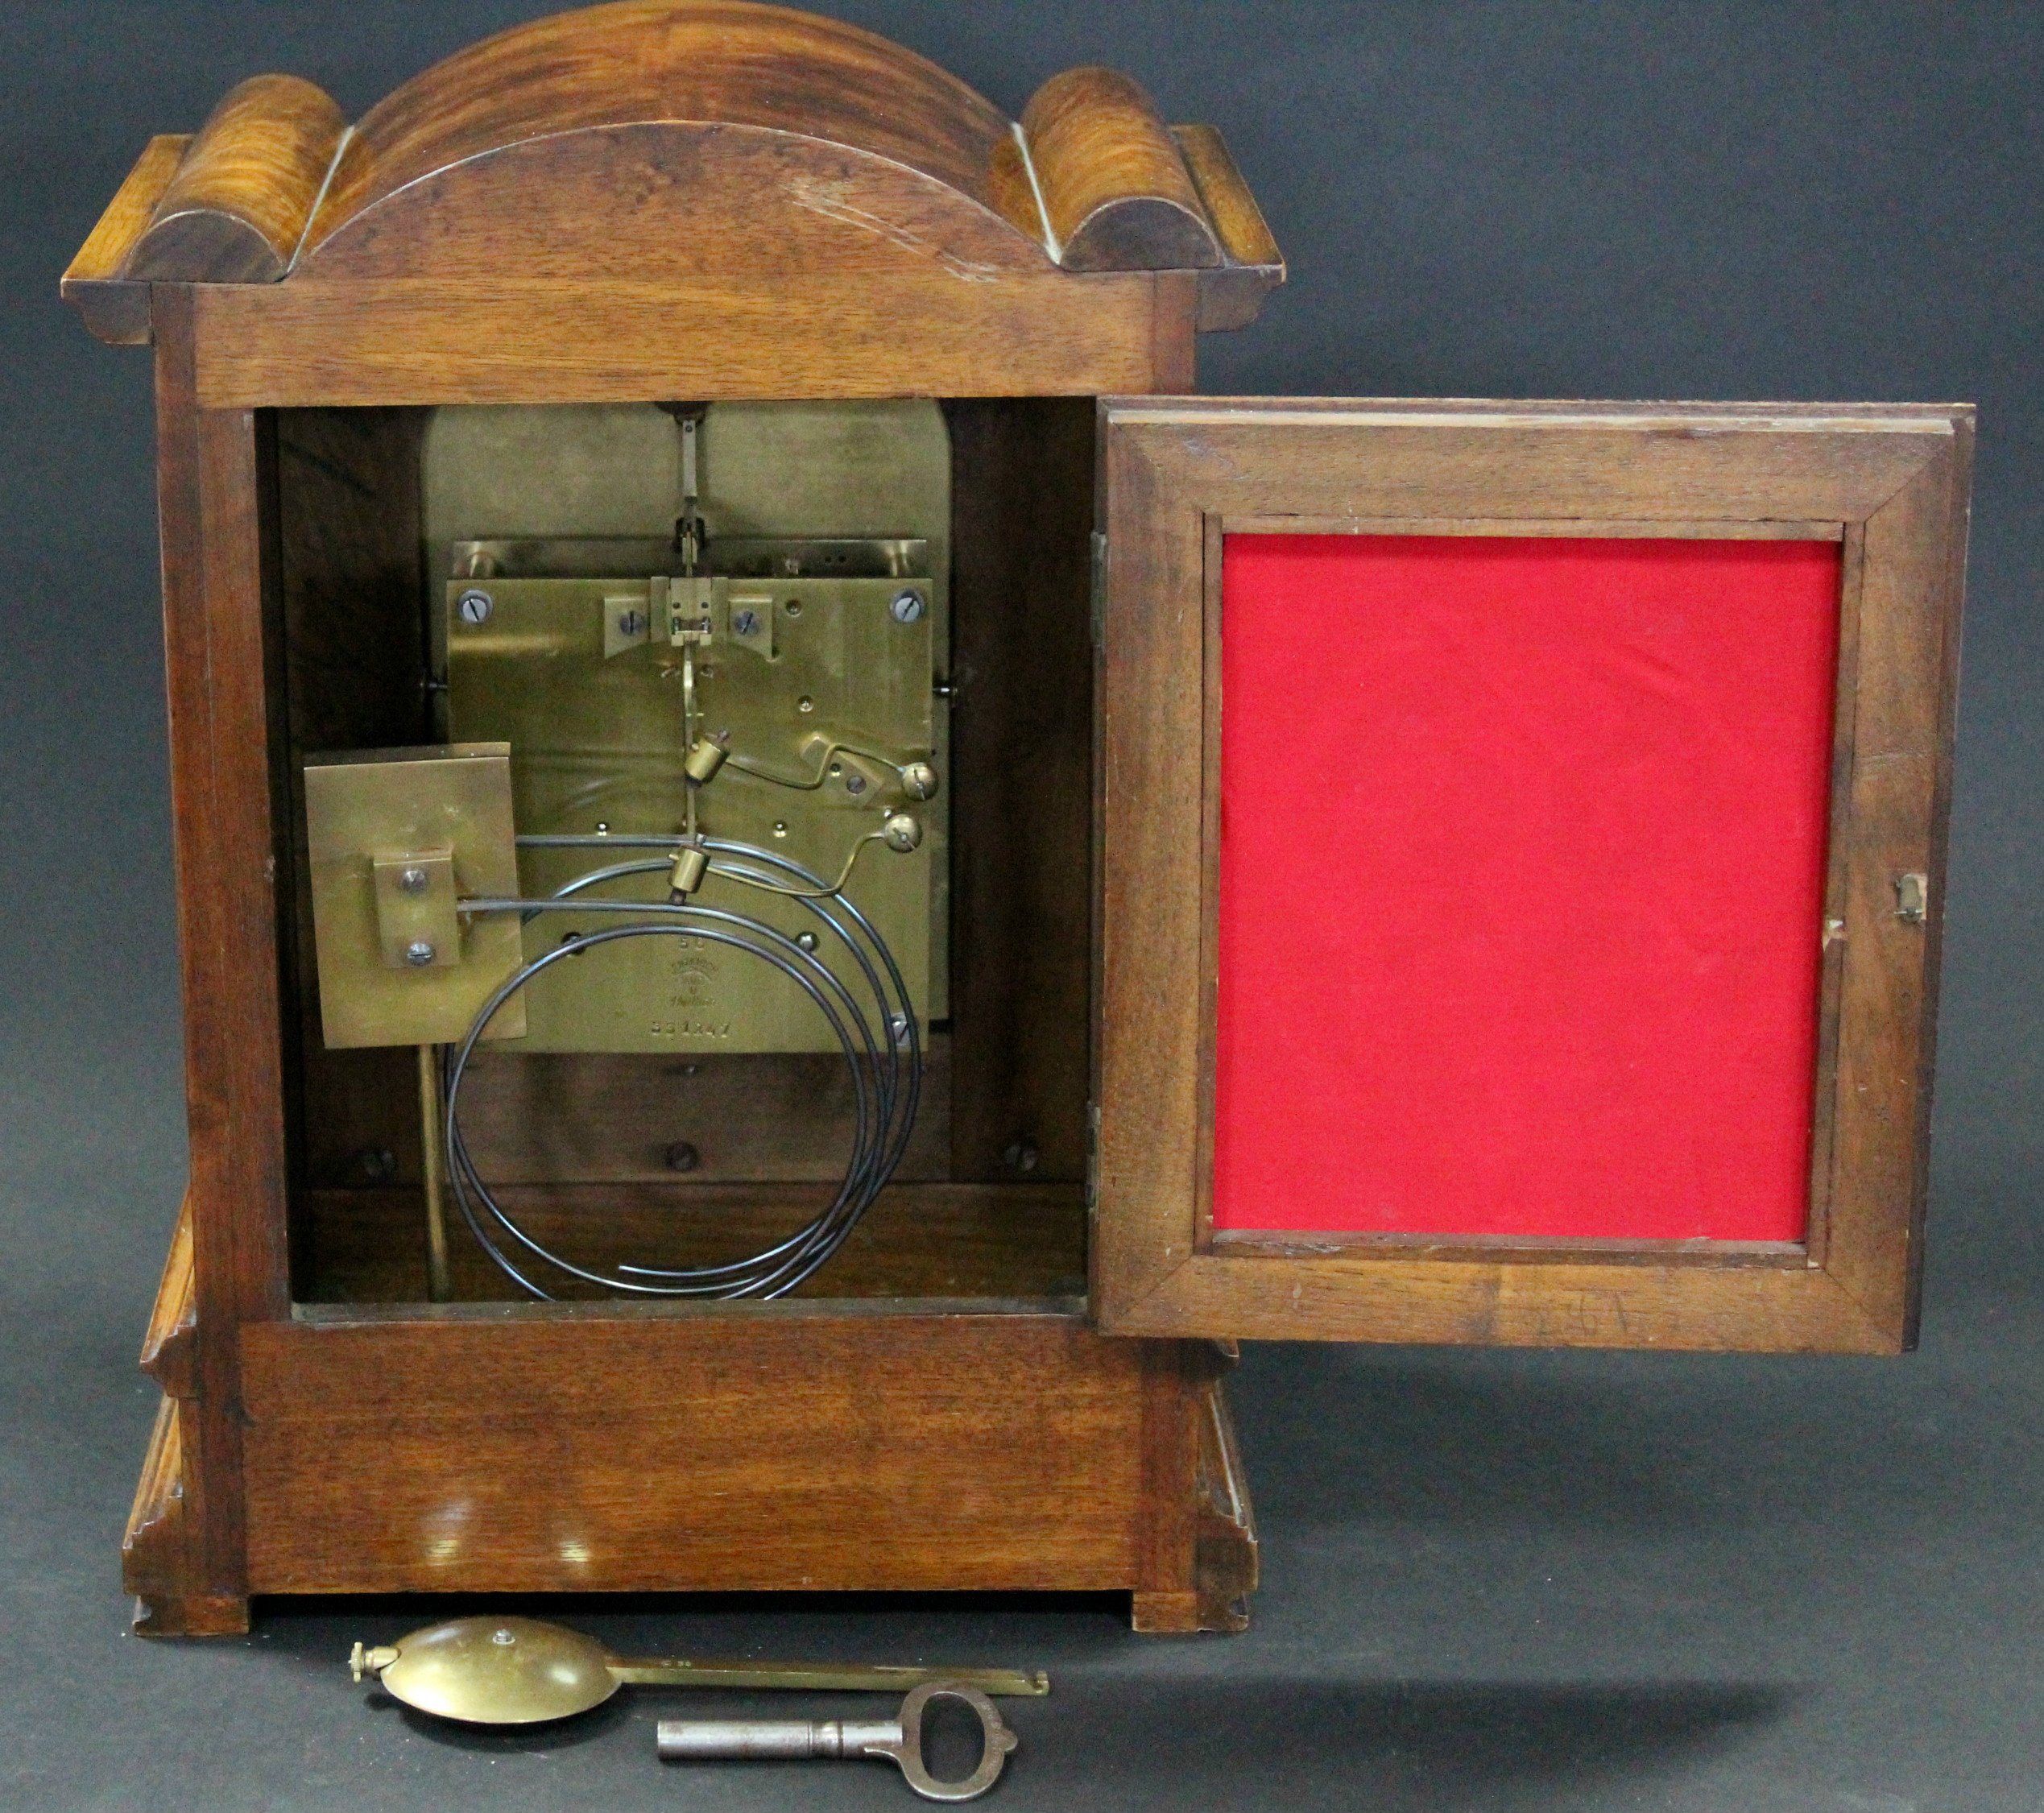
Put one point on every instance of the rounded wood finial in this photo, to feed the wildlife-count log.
(235, 210)
(1115, 189)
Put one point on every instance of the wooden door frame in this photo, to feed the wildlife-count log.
(1890, 481)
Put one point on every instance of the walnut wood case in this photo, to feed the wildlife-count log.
(1010, 1379)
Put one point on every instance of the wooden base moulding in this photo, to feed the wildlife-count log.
(492, 1447)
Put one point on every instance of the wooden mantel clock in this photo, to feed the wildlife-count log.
(806, 887)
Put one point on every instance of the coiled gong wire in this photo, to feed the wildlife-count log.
(880, 1040)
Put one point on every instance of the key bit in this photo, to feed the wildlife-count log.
(899, 1739)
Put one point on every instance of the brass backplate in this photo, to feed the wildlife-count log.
(813, 679)
(375, 818)
(564, 516)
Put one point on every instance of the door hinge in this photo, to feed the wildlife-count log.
(1099, 590)
(1092, 1157)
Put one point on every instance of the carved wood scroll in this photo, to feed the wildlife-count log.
(235, 208)
(1115, 188)
(665, 139)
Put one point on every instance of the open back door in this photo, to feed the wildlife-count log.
(1522, 836)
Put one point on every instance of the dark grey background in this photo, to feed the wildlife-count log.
(1495, 1581)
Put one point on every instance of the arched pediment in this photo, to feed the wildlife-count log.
(649, 140)
(653, 136)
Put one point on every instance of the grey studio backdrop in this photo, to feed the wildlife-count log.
(1493, 1580)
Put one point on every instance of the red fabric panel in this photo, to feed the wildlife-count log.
(1522, 855)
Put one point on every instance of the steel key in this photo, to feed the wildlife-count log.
(899, 1738)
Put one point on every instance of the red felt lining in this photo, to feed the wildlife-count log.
(1521, 880)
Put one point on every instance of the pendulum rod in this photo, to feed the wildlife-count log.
(435, 1173)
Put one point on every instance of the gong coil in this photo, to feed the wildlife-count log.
(878, 1037)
